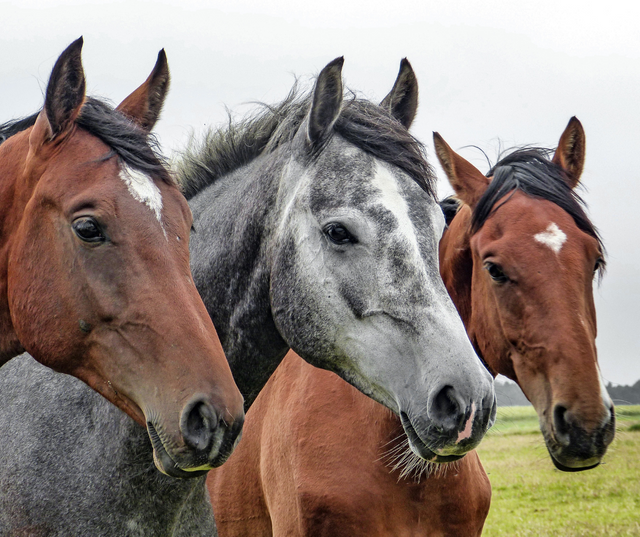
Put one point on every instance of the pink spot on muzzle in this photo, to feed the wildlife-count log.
(466, 432)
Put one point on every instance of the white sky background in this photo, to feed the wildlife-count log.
(493, 74)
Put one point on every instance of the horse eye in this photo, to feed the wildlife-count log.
(496, 272)
(87, 229)
(599, 264)
(338, 234)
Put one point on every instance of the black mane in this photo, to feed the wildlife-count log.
(369, 127)
(7, 130)
(133, 146)
(531, 171)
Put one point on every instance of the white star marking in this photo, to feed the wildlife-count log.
(553, 237)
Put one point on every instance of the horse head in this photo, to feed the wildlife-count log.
(95, 248)
(354, 281)
(519, 258)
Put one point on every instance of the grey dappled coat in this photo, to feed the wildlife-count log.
(59, 435)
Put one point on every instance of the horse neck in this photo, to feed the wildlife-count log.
(233, 219)
(70, 422)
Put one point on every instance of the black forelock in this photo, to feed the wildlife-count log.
(135, 147)
(366, 125)
(531, 171)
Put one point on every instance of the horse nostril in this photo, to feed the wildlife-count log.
(561, 425)
(197, 424)
(446, 410)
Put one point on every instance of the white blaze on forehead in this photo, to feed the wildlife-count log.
(143, 189)
(393, 200)
(553, 237)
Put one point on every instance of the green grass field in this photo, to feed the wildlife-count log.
(532, 498)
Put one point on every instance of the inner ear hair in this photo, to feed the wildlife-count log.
(327, 101)
(402, 100)
(571, 151)
(66, 89)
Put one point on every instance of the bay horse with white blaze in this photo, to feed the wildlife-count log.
(523, 285)
(518, 258)
(94, 260)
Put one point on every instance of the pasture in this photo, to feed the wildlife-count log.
(532, 498)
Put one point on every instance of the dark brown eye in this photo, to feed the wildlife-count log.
(338, 234)
(88, 230)
(599, 265)
(496, 272)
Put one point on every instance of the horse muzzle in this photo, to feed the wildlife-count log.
(206, 441)
(450, 434)
(572, 448)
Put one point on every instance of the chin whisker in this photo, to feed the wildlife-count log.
(401, 458)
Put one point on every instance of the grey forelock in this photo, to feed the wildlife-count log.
(73, 465)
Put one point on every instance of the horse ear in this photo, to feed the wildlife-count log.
(64, 96)
(467, 181)
(571, 151)
(327, 99)
(402, 100)
(144, 105)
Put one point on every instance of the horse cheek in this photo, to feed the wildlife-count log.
(40, 316)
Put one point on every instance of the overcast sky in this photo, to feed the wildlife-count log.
(492, 74)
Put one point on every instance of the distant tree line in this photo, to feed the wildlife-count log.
(625, 395)
(510, 394)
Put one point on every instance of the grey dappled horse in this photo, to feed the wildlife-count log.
(315, 228)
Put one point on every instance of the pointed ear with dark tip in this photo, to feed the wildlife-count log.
(327, 100)
(402, 100)
(571, 151)
(144, 105)
(468, 182)
(64, 96)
